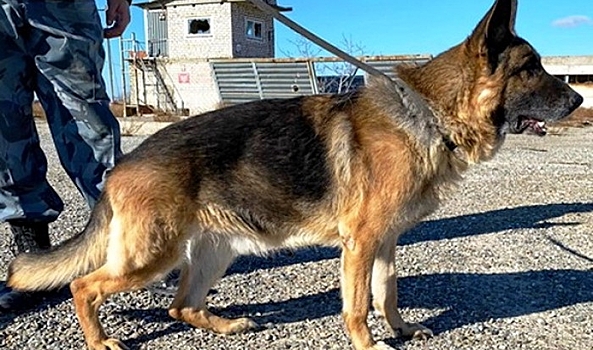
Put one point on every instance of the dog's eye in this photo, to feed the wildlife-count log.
(531, 69)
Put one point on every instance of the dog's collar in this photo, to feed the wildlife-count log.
(452, 146)
(414, 102)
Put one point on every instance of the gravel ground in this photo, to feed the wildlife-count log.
(506, 263)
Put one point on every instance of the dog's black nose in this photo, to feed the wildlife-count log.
(576, 100)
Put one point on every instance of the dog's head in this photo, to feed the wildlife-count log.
(530, 96)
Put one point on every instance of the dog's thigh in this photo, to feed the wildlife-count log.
(384, 290)
(208, 259)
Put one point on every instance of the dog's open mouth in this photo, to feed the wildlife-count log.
(534, 125)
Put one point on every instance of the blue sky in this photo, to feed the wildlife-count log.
(554, 27)
(393, 27)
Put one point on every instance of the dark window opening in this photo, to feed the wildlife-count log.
(580, 79)
(199, 26)
(254, 30)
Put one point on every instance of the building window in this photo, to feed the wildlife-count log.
(580, 79)
(254, 29)
(198, 26)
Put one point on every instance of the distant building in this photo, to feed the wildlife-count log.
(171, 70)
(575, 70)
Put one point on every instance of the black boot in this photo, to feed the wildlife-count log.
(28, 237)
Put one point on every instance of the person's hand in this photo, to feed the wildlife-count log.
(117, 18)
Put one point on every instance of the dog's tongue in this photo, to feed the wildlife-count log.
(537, 126)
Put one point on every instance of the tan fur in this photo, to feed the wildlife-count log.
(464, 113)
(56, 268)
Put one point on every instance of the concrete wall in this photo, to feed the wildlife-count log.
(199, 93)
(189, 80)
(568, 65)
(192, 81)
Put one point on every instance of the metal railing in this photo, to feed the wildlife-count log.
(142, 72)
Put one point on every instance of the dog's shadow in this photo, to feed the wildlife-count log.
(467, 298)
(524, 217)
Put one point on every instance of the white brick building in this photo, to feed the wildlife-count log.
(170, 70)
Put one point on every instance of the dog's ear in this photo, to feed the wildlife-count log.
(495, 31)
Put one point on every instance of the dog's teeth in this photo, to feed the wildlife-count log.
(541, 124)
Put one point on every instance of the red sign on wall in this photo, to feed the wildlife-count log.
(183, 78)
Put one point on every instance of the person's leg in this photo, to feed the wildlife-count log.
(27, 201)
(68, 36)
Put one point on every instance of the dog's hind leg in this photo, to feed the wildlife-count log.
(138, 252)
(209, 258)
(90, 291)
(384, 290)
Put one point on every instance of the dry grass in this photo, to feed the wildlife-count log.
(117, 108)
(580, 118)
(130, 128)
(166, 117)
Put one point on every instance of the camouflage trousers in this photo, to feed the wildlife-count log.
(52, 49)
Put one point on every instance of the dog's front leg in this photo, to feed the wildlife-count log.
(357, 262)
(384, 288)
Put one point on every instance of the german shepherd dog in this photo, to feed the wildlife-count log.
(353, 170)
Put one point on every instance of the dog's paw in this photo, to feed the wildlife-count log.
(415, 331)
(241, 325)
(109, 344)
(381, 346)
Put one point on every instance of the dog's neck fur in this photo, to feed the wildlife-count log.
(410, 110)
(454, 102)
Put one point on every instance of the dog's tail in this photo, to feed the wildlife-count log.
(58, 266)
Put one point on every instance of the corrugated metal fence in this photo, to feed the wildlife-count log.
(243, 80)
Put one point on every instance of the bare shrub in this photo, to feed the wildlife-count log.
(130, 128)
